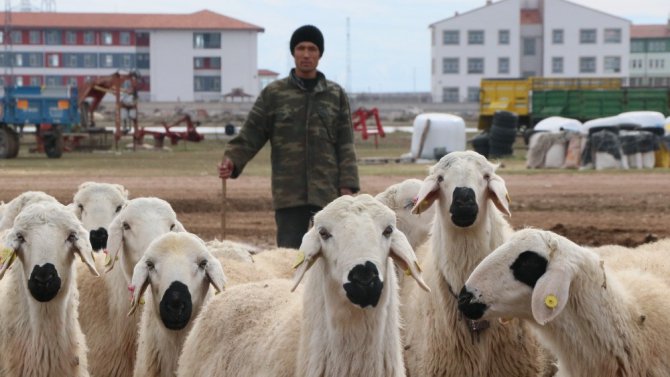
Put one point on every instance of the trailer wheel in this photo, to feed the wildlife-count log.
(53, 142)
(9, 143)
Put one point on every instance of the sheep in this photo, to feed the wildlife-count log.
(347, 324)
(471, 200)
(104, 302)
(233, 250)
(40, 334)
(400, 198)
(268, 264)
(96, 205)
(600, 319)
(176, 270)
(13, 208)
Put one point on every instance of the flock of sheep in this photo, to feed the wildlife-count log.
(148, 298)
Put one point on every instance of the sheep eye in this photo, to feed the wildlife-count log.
(118, 209)
(324, 234)
(203, 264)
(126, 226)
(387, 232)
(20, 238)
(440, 178)
(150, 265)
(72, 237)
(81, 207)
(487, 176)
(172, 227)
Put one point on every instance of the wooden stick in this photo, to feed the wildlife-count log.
(223, 209)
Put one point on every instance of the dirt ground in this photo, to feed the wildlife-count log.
(626, 208)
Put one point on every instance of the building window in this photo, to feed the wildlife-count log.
(473, 94)
(124, 38)
(72, 81)
(475, 37)
(612, 64)
(612, 35)
(206, 40)
(127, 61)
(89, 61)
(587, 36)
(35, 81)
(529, 46)
(503, 37)
(142, 60)
(35, 60)
(450, 94)
(475, 65)
(2, 59)
(72, 60)
(17, 37)
(587, 65)
(107, 60)
(2, 36)
(557, 36)
(557, 65)
(18, 80)
(450, 37)
(658, 46)
(503, 65)
(71, 37)
(53, 37)
(89, 38)
(53, 80)
(198, 63)
(34, 37)
(18, 60)
(142, 39)
(215, 63)
(449, 65)
(53, 60)
(207, 84)
(106, 37)
(636, 46)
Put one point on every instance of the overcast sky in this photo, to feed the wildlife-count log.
(389, 39)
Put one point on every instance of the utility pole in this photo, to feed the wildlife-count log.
(348, 58)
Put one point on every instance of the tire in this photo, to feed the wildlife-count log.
(17, 143)
(53, 142)
(6, 143)
(480, 144)
(505, 119)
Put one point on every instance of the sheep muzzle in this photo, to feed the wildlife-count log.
(176, 306)
(44, 282)
(364, 287)
(463, 207)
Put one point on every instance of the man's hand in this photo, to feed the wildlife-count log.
(346, 191)
(226, 168)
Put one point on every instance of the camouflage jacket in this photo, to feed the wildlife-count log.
(313, 153)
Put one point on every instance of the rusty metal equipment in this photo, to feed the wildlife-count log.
(360, 117)
(190, 134)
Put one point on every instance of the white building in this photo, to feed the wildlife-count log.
(523, 38)
(187, 57)
(650, 55)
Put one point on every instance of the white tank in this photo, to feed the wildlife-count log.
(441, 134)
(643, 118)
(558, 124)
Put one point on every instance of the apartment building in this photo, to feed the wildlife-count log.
(523, 38)
(650, 55)
(187, 57)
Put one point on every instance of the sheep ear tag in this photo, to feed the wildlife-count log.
(7, 257)
(299, 259)
(551, 301)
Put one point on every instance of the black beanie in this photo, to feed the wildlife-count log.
(307, 33)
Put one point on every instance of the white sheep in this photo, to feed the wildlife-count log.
(345, 324)
(13, 208)
(176, 270)
(599, 318)
(40, 335)
(111, 336)
(232, 250)
(96, 204)
(471, 200)
(400, 198)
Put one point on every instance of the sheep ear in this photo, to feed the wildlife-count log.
(122, 190)
(428, 193)
(138, 284)
(83, 248)
(498, 194)
(309, 252)
(403, 255)
(114, 242)
(550, 294)
(178, 227)
(215, 274)
(8, 250)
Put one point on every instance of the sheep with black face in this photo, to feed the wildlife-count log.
(600, 318)
(344, 324)
(176, 271)
(40, 332)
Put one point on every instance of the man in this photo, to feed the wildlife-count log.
(308, 122)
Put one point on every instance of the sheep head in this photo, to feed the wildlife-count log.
(45, 237)
(527, 277)
(96, 205)
(463, 182)
(16, 205)
(179, 269)
(138, 223)
(355, 236)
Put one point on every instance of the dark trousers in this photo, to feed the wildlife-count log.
(292, 224)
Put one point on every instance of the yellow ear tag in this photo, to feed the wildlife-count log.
(551, 301)
(7, 256)
(142, 301)
(509, 200)
(108, 259)
(299, 259)
(408, 272)
(418, 266)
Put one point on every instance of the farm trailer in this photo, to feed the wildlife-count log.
(52, 110)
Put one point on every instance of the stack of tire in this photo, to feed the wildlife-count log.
(502, 133)
(480, 144)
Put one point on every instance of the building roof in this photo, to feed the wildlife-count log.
(650, 31)
(201, 20)
(531, 17)
(267, 72)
